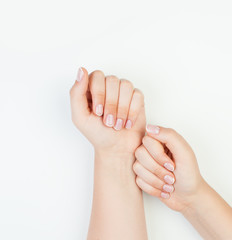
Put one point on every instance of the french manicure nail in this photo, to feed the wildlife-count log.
(168, 179)
(99, 109)
(80, 74)
(165, 195)
(168, 188)
(128, 124)
(118, 124)
(169, 166)
(110, 120)
(152, 129)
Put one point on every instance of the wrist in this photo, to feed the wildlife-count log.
(196, 199)
(114, 166)
(114, 157)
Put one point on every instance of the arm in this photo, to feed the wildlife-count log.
(117, 211)
(210, 214)
(110, 113)
(184, 190)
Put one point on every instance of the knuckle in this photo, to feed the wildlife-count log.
(97, 74)
(139, 151)
(126, 83)
(145, 140)
(112, 79)
(136, 166)
(138, 93)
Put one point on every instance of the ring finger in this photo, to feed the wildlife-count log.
(111, 100)
(125, 96)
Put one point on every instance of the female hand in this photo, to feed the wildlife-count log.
(164, 153)
(109, 112)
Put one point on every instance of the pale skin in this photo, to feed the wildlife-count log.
(190, 194)
(117, 209)
(164, 164)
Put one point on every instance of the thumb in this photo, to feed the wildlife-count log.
(78, 97)
(174, 141)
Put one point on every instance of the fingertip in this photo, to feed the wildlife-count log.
(79, 101)
(129, 124)
(99, 110)
(169, 166)
(144, 139)
(119, 124)
(109, 120)
(152, 129)
(165, 195)
(82, 74)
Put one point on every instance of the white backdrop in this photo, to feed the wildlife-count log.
(179, 53)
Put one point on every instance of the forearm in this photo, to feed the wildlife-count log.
(117, 210)
(210, 214)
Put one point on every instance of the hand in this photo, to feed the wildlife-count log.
(109, 112)
(165, 153)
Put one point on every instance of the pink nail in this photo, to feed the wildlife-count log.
(168, 188)
(169, 166)
(118, 124)
(99, 109)
(128, 124)
(152, 129)
(80, 74)
(168, 179)
(165, 195)
(110, 120)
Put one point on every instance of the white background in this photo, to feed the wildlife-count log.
(179, 53)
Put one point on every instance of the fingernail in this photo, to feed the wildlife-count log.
(169, 166)
(168, 188)
(128, 124)
(80, 74)
(152, 129)
(110, 120)
(118, 124)
(168, 179)
(99, 109)
(165, 195)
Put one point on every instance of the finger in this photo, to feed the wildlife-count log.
(97, 89)
(174, 141)
(145, 159)
(79, 103)
(137, 103)
(151, 190)
(111, 100)
(125, 96)
(156, 150)
(147, 176)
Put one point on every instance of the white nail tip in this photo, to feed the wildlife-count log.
(118, 124)
(128, 124)
(80, 74)
(99, 109)
(169, 166)
(110, 120)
